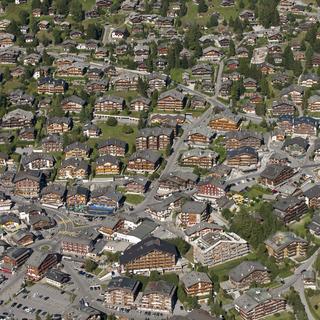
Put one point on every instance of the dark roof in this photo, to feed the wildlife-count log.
(145, 246)
(272, 171)
(111, 142)
(303, 143)
(124, 283)
(244, 269)
(161, 286)
(313, 192)
(285, 203)
(243, 150)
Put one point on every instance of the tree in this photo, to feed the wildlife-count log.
(213, 21)
(90, 265)
(202, 6)
(268, 13)
(309, 56)
(93, 31)
(47, 60)
(112, 121)
(76, 11)
(316, 264)
(232, 49)
(35, 4)
(164, 7)
(142, 87)
(56, 34)
(62, 6)
(261, 110)
(288, 59)
(183, 246)
(127, 129)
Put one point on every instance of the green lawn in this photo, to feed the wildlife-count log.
(256, 191)
(134, 198)
(176, 74)
(314, 303)
(116, 132)
(281, 316)
(299, 227)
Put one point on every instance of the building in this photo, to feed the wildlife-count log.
(39, 263)
(171, 100)
(149, 254)
(107, 164)
(241, 139)
(51, 86)
(258, 303)
(77, 246)
(56, 278)
(52, 143)
(38, 161)
(53, 195)
(122, 291)
(225, 121)
(17, 118)
(77, 150)
(276, 174)
(286, 245)
(210, 189)
(242, 157)
(58, 125)
(200, 137)
(290, 209)
(156, 138)
(77, 198)
(113, 146)
(144, 161)
(218, 247)
(247, 273)
(14, 258)
(312, 196)
(193, 212)
(28, 184)
(158, 296)
(199, 158)
(197, 284)
(283, 107)
(296, 147)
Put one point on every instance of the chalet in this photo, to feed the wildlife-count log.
(140, 104)
(296, 147)
(38, 161)
(107, 164)
(242, 157)
(276, 174)
(6, 40)
(90, 130)
(247, 15)
(314, 103)
(125, 81)
(171, 100)
(155, 138)
(225, 122)
(250, 84)
(248, 272)
(77, 198)
(285, 124)
(144, 161)
(202, 70)
(19, 98)
(242, 52)
(312, 197)
(198, 102)
(201, 229)
(101, 53)
(109, 104)
(77, 150)
(177, 181)
(41, 222)
(149, 254)
(76, 69)
(94, 73)
(97, 86)
(157, 81)
(238, 139)
(28, 184)
(27, 134)
(23, 238)
(210, 189)
(200, 137)
(53, 195)
(283, 107)
(137, 185)
(305, 126)
(52, 143)
(72, 104)
(118, 34)
(294, 92)
(212, 54)
(59, 125)
(113, 146)
(3, 159)
(308, 80)
(51, 86)
(104, 201)
(73, 168)
(17, 118)
(8, 56)
(284, 245)
(39, 263)
(199, 158)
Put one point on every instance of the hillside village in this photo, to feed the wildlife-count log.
(160, 159)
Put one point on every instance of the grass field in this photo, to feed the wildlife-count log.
(314, 304)
(134, 198)
(299, 227)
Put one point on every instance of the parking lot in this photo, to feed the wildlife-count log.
(39, 299)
